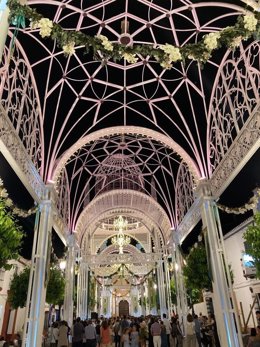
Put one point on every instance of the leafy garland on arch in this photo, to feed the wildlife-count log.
(246, 26)
(8, 202)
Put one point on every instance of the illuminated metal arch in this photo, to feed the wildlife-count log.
(150, 225)
(123, 199)
(129, 248)
(166, 141)
(107, 237)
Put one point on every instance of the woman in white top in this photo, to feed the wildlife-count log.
(190, 338)
(53, 335)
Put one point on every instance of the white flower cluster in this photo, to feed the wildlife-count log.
(250, 22)
(235, 42)
(172, 54)
(130, 58)
(211, 41)
(45, 25)
(69, 48)
(105, 43)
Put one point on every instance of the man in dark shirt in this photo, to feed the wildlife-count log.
(78, 332)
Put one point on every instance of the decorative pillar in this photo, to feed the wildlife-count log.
(35, 305)
(225, 314)
(143, 299)
(82, 291)
(106, 298)
(70, 281)
(4, 25)
(161, 287)
(134, 302)
(182, 306)
(168, 287)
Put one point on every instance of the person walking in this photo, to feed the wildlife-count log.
(63, 335)
(105, 335)
(53, 334)
(125, 338)
(134, 335)
(190, 338)
(78, 332)
(198, 330)
(90, 335)
(143, 333)
(116, 329)
(167, 325)
(156, 333)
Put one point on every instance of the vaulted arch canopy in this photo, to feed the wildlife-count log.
(126, 202)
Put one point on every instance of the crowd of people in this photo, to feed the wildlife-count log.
(150, 331)
(136, 332)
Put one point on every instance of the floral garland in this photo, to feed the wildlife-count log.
(250, 205)
(4, 196)
(245, 27)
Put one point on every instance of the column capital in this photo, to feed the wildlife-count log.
(71, 240)
(175, 236)
(203, 189)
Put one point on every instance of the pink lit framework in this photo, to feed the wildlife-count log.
(56, 102)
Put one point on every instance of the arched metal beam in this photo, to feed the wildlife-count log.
(166, 141)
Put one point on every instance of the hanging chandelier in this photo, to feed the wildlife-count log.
(120, 240)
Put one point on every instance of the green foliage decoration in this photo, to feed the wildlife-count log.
(196, 269)
(19, 288)
(20, 282)
(252, 238)
(246, 26)
(173, 291)
(92, 293)
(55, 287)
(10, 237)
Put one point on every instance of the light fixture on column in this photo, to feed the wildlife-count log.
(62, 265)
(120, 240)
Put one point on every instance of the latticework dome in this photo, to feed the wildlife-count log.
(119, 171)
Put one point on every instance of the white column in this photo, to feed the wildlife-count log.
(4, 25)
(221, 283)
(161, 287)
(70, 281)
(168, 288)
(182, 306)
(33, 327)
(143, 297)
(82, 309)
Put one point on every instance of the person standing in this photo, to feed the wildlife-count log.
(156, 333)
(150, 336)
(167, 325)
(53, 334)
(63, 335)
(125, 338)
(164, 341)
(116, 329)
(90, 335)
(134, 337)
(190, 338)
(78, 332)
(143, 333)
(197, 330)
(105, 334)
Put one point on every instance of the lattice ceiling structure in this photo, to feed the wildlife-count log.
(133, 137)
